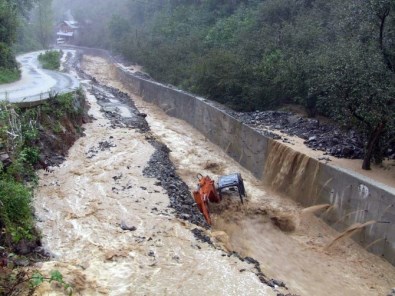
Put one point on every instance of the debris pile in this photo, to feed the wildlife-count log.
(318, 136)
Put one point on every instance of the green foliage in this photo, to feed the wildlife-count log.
(61, 105)
(10, 12)
(19, 134)
(7, 59)
(15, 212)
(50, 59)
(357, 88)
(333, 57)
(118, 27)
(7, 75)
(228, 31)
(16, 281)
(38, 278)
(26, 38)
(219, 76)
(42, 22)
(66, 103)
(8, 22)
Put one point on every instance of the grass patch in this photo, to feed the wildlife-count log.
(8, 75)
(50, 59)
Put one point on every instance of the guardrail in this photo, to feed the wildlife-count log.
(35, 100)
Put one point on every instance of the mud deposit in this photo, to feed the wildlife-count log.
(288, 243)
(111, 228)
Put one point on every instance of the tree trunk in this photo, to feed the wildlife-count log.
(374, 137)
(383, 18)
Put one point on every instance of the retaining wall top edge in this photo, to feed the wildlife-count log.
(390, 190)
(202, 99)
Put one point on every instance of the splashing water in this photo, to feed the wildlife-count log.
(374, 242)
(316, 208)
(347, 215)
(349, 232)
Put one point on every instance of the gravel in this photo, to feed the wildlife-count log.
(318, 136)
(160, 165)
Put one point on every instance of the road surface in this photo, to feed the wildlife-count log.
(36, 83)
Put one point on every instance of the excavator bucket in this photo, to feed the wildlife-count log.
(205, 192)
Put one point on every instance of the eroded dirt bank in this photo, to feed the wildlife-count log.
(299, 258)
(108, 226)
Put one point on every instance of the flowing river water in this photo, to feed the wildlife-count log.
(110, 231)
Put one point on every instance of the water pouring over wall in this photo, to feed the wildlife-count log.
(291, 172)
(351, 202)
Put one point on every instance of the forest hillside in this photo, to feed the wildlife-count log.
(335, 58)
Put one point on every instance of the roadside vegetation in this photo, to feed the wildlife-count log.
(25, 25)
(21, 135)
(25, 136)
(50, 59)
(335, 58)
(8, 26)
(8, 75)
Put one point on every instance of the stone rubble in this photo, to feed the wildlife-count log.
(318, 136)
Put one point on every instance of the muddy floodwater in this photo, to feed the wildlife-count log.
(110, 231)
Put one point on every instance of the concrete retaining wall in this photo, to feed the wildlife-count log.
(355, 198)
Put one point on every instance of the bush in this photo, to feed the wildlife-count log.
(50, 59)
(7, 58)
(15, 211)
(8, 75)
(220, 76)
(61, 105)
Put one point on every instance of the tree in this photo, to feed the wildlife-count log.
(369, 27)
(43, 22)
(357, 89)
(9, 20)
(8, 25)
(334, 57)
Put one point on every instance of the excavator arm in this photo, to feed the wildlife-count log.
(205, 192)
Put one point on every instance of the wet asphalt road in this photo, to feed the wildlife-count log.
(36, 83)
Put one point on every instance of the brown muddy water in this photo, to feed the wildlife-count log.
(81, 206)
(298, 258)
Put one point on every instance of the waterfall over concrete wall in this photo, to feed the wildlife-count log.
(292, 173)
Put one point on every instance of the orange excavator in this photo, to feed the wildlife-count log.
(207, 192)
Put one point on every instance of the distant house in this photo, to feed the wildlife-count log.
(66, 32)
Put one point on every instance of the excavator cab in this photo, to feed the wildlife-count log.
(206, 191)
(232, 180)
